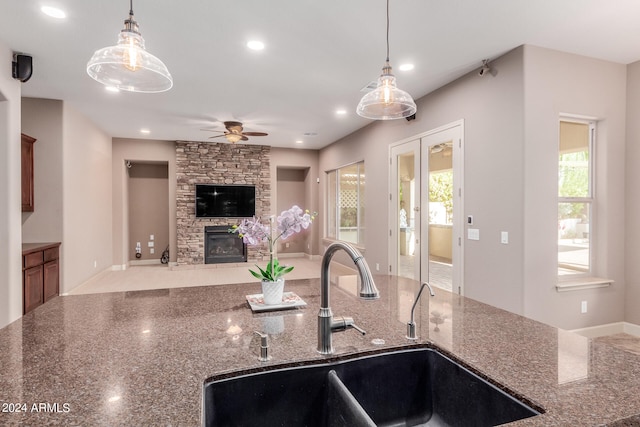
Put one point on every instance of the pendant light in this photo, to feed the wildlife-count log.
(386, 101)
(127, 65)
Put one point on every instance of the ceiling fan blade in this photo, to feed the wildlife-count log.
(255, 133)
(244, 138)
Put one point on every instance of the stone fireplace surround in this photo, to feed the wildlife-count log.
(217, 163)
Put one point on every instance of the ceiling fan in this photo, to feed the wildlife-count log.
(234, 132)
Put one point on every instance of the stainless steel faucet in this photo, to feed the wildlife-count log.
(411, 326)
(264, 347)
(327, 324)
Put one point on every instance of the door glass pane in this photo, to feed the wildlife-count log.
(348, 230)
(408, 265)
(441, 215)
(331, 204)
(361, 204)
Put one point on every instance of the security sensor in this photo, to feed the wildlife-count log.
(22, 67)
(485, 68)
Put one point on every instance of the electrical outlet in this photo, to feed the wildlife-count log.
(583, 307)
(152, 251)
(377, 266)
(95, 264)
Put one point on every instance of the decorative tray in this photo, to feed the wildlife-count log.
(289, 300)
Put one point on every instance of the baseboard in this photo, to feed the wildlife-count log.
(93, 278)
(291, 255)
(609, 329)
(144, 262)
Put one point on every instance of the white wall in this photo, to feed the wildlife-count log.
(87, 200)
(42, 119)
(10, 205)
(632, 195)
(557, 83)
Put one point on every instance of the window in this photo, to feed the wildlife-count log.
(345, 203)
(575, 198)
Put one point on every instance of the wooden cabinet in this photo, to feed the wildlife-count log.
(27, 173)
(40, 274)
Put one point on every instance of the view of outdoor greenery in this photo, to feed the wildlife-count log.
(441, 191)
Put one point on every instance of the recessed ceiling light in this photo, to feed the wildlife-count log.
(299, 141)
(406, 67)
(53, 12)
(145, 131)
(255, 45)
(114, 398)
(111, 89)
(341, 112)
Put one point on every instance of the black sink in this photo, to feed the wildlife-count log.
(411, 387)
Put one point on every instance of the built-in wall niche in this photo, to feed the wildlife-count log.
(148, 201)
(292, 183)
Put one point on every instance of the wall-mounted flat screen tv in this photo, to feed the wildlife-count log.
(225, 201)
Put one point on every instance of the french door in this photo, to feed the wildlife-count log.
(425, 208)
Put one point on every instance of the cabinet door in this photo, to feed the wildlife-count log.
(51, 284)
(33, 281)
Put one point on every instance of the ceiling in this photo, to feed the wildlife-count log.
(318, 56)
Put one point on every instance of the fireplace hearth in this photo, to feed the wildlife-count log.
(220, 246)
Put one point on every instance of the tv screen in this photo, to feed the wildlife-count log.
(225, 201)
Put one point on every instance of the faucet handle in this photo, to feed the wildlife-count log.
(342, 323)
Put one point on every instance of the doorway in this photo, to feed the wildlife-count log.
(426, 208)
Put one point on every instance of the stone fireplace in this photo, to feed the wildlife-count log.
(217, 163)
(220, 246)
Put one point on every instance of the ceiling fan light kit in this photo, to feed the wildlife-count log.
(386, 101)
(235, 133)
(127, 65)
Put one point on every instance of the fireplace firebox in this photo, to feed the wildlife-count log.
(220, 246)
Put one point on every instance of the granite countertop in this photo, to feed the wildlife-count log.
(141, 358)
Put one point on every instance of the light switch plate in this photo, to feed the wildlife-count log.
(504, 237)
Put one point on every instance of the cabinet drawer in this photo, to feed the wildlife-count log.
(33, 259)
(50, 254)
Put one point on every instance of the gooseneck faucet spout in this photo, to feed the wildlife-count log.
(411, 326)
(326, 322)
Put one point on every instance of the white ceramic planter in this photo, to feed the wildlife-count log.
(272, 291)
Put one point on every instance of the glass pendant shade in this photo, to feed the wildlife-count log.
(128, 66)
(386, 101)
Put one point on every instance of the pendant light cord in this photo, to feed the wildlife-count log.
(387, 30)
(130, 7)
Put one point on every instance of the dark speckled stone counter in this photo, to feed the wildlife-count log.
(141, 358)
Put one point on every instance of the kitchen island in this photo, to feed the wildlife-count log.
(142, 357)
